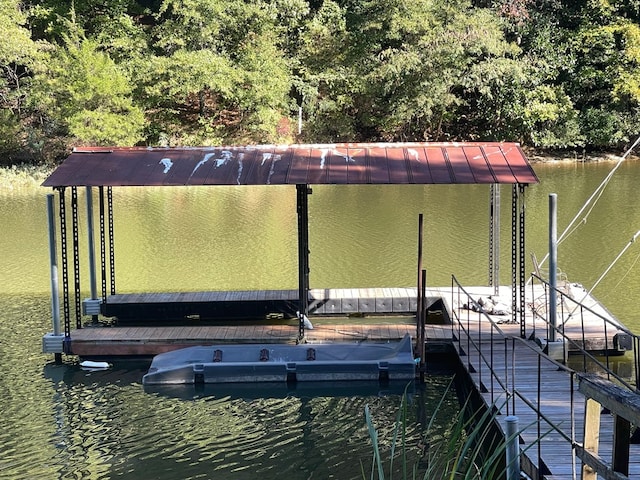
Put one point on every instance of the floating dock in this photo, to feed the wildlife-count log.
(338, 315)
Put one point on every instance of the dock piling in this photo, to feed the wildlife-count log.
(553, 264)
(53, 256)
(513, 447)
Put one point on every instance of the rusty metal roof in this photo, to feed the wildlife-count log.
(371, 163)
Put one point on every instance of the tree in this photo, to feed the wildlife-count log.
(217, 74)
(395, 70)
(83, 94)
(18, 54)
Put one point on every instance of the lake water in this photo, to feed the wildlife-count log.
(63, 422)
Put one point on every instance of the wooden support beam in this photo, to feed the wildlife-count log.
(591, 436)
(625, 407)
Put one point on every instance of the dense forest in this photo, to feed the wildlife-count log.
(552, 74)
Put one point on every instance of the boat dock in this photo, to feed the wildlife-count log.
(157, 323)
(501, 336)
(511, 374)
(572, 423)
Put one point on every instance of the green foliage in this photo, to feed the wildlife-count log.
(464, 449)
(85, 95)
(549, 74)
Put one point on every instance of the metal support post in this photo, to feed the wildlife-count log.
(514, 256)
(53, 260)
(76, 255)
(513, 448)
(553, 265)
(494, 239)
(91, 248)
(419, 296)
(112, 259)
(303, 191)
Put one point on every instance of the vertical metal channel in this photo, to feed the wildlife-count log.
(494, 238)
(521, 287)
(53, 260)
(419, 299)
(303, 191)
(112, 259)
(103, 244)
(91, 248)
(76, 255)
(65, 265)
(514, 255)
(553, 265)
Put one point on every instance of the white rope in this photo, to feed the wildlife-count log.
(592, 200)
(626, 247)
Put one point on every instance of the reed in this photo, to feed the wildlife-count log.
(20, 177)
(466, 451)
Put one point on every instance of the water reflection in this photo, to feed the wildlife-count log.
(106, 426)
(62, 422)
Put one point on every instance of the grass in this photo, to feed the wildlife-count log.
(22, 177)
(466, 450)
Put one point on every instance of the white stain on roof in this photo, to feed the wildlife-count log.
(240, 166)
(204, 160)
(265, 157)
(413, 153)
(273, 166)
(225, 156)
(333, 151)
(167, 164)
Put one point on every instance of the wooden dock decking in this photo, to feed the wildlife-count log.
(148, 341)
(397, 303)
(539, 382)
(554, 398)
(159, 307)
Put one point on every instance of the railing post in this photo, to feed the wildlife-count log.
(591, 435)
(513, 447)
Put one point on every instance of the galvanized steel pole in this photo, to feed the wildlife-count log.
(53, 255)
(553, 264)
(513, 453)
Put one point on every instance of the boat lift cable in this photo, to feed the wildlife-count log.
(627, 272)
(626, 247)
(591, 201)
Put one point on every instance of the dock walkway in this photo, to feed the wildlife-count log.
(541, 392)
(531, 380)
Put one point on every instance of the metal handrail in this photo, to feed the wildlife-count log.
(606, 368)
(509, 389)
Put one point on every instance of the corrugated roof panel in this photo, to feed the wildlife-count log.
(201, 165)
(438, 165)
(378, 163)
(357, 169)
(419, 165)
(399, 170)
(299, 165)
(281, 162)
(517, 162)
(481, 170)
(498, 164)
(338, 160)
(459, 165)
(175, 168)
(259, 166)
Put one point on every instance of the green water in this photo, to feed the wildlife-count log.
(63, 422)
